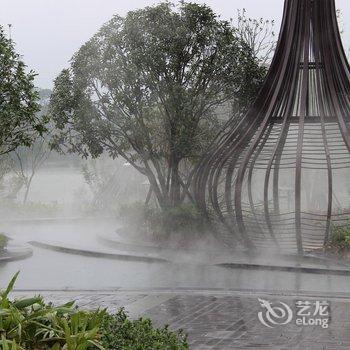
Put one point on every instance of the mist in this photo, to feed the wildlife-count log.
(62, 212)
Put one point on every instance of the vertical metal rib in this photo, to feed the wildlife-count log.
(276, 91)
(318, 19)
(303, 112)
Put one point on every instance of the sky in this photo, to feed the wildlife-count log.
(48, 32)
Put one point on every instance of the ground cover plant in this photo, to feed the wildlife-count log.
(340, 236)
(33, 324)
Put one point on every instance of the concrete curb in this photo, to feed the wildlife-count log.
(131, 246)
(10, 255)
(96, 254)
(190, 291)
(118, 243)
(313, 270)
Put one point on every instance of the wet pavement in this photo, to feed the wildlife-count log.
(213, 297)
(230, 320)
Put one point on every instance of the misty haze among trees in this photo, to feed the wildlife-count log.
(135, 111)
(97, 178)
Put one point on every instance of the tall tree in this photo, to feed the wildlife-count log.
(19, 123)
(258, 34)
(26, 161)
(146, 88)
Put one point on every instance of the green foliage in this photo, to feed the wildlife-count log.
(138, 215)
(147, 87)
(5, 168)
(120, 333)
(181, 219)
(14, 210)
(19, 123)
(3, 241)
(32, 324)
(340, 235)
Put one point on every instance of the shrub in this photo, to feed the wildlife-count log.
(340, 235)
(120, 333)
(32, 324)
(181, 219)
(3, 241)
(136, 214)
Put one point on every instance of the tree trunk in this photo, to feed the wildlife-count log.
(175, 187)
(27, 188)
(160, 196)
(149, 195)
(26, 193)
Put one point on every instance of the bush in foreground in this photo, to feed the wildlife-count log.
(32, 324)
(121, 333)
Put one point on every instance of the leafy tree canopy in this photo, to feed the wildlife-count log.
(19, 124)
(146, 87)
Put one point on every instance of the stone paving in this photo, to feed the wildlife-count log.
(222, 320)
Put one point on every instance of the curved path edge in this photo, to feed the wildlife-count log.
(9, 256)
(96, 254)
(300, 269)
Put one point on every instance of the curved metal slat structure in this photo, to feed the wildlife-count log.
(278, 177)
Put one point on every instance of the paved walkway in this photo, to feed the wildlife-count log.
(226, 320)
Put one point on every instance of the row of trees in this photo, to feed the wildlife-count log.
(150, 87)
